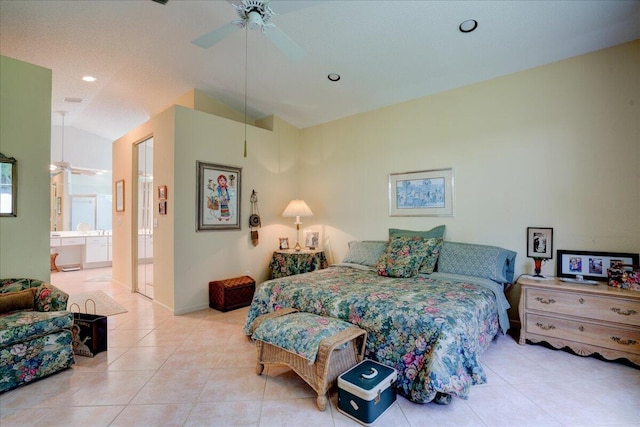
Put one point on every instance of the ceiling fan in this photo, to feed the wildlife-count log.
(62, 166)
(254, 14)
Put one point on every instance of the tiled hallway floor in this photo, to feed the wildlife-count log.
(198, 370)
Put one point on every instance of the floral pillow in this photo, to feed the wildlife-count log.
(429, 262)
(404, 256)
(433, 252)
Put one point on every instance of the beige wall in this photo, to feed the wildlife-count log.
(185, 260)
(556, 146)
(25, 134)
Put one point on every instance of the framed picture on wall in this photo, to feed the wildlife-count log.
(162, 207)
(120, 196)
(162, 192)
(421, 193)
(219, 196)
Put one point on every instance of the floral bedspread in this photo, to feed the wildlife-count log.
(432, 331)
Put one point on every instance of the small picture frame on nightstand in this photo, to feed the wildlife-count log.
(312, 239)
(284, 243)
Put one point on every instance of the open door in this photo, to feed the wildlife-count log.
(144, 218)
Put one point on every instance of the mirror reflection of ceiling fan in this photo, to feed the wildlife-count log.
(257, 14)
(63, 166)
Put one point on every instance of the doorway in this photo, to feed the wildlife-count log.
(143, 278)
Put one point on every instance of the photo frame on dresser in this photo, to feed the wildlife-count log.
(590, 264)
(540, 242)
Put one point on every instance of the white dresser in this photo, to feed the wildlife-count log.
(586, 318)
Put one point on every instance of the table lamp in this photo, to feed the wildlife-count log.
(297, 208)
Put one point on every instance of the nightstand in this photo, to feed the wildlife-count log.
(290, 262)
(586, 318)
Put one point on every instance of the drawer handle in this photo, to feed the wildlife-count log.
(545, 327)
(581, 300)
(624, 313)
(545, 301)
(624, 342)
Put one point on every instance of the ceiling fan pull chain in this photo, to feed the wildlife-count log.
(246, 60)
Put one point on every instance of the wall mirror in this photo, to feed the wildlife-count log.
(8, 186)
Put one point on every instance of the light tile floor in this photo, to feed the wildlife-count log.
(198, 370)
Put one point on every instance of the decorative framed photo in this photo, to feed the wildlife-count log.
(219, 196)
(162, 192)
(8, 186)
(589, 264)
(422, 193)
(284, 243)
(162, 207)
(540, 242)
(120, 196)
(312, 239)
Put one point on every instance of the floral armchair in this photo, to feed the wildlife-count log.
(35, 331)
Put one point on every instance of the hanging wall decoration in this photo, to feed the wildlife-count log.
(254, 218)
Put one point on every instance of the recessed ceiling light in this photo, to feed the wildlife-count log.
(468, 26)
(334, 77)
(73, 100)
(89, 79)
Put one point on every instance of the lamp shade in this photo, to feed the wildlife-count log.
(297, 208)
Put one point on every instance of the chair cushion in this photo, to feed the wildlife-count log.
(20, 325)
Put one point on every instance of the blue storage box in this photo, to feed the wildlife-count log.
(366, 391)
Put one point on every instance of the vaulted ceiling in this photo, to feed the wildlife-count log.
(386, 52)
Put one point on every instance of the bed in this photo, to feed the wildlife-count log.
(432, 326)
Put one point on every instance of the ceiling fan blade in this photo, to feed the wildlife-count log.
(81, 171)
(215, 36)
(284, 43)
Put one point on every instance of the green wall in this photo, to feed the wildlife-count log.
(25, 134)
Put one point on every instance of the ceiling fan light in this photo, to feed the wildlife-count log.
(254, 20)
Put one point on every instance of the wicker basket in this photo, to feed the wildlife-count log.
(330, 361)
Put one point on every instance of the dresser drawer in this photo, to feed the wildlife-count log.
(589, 306)
(97, 240)
(611, 337)
(72, 241)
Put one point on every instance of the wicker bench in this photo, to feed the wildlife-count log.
(336, 353)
